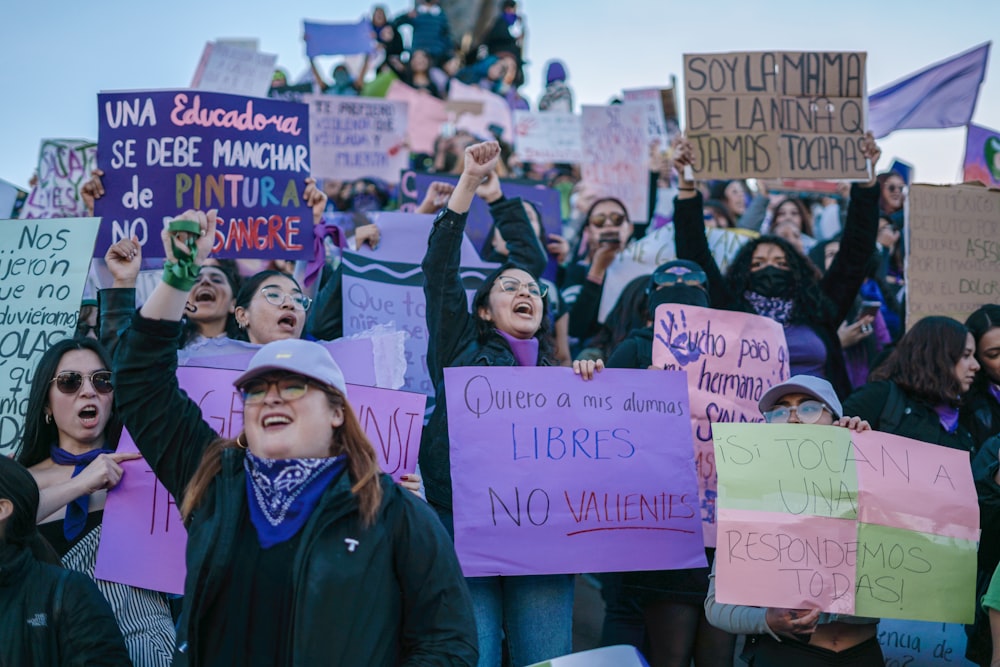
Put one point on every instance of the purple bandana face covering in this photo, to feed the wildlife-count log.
(525, 351)
(284, 492)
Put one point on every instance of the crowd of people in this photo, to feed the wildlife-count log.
(300, 551)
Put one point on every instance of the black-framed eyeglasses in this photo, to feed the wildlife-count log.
(69, 382)
(808, 412)
(289, 389)
(276, 297)
(602, 220)
(513, 286)
(683, 277)
(892, 187)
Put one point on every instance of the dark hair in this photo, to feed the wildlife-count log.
(490, 254)
(984, 319)
(252, 285)
(229, 268)
(721, 210)
(18, 486)
(485, 328)
(39, 435)
(631, 311)
(882, 178)
(581, 248)
(804, 213)
(810, 303)
(923, 362)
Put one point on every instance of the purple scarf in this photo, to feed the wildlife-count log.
(525, 351)
(995, 390)
(775, 308)
(948, 416)
(76, 511)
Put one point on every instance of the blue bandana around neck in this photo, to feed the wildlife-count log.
(525, 350)
(76, 511)
(773, 307)
(284, 493)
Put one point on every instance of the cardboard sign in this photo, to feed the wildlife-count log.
(165, 152)
(64, 166)
(777, 114)
(731, 359)
(548, 136)
(954, 250)
(228, 68)
(143, 540)
(552, 474)
(334, 39)
(868, 524)
(43, 268)
(425, 117)
(356, 137)
(616, 156)
(982, 156)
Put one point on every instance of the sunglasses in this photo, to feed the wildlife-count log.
(276, 297)
(69, 382)
(894, 188)
(807, 411)
(289, 389)
(687, 277)
(602, 220)
(513, 286)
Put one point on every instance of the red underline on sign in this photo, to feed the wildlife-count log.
(594, 530)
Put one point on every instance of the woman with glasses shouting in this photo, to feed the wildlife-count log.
(70, 436)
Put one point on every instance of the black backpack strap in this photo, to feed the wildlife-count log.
(893, 411)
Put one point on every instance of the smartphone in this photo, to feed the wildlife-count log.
(609, 237)
(869, 309)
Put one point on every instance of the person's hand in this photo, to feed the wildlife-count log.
(607, 249)
(436, 197)
(481, 159)
(791, 622)
(203, 243)
(683, 152)
(124, 260)
(586, 368)
(490, 190)
(887, 237)
(314, 199)
(104, 472)
(870, 149)
(367, 234)
(92, 190)
(852, 334)
(854, 423)
(411, 483)
(558, 247)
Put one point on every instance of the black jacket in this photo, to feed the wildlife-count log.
(980, 414)
(398, 598)
(51, 616)
(452, 335)
(984, 469)
(636, 351)
(839, 285)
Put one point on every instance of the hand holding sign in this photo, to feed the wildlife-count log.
(314, 199)
(92, 190)
(870, 150)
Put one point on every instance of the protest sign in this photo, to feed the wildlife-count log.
(777, 114)
(544, 136)
(616, 156)
(551, 474)
(334, 39)
(425, 117)
(640, 258)
(64, 165)
(385, 286)
(659, 127)
(164, 152)
(922, 644)
(9, 196)
(868, 524)
(495, 111)
(954, 249)
(731, 359)
(355, 137)
(607, 656)
(143, 539)
(228, 68)
(982, 156)
(43, 268)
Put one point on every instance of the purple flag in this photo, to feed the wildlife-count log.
(942, 95)
(332, 39)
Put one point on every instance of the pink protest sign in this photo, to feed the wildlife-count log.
(866, 524)
(552, 474)
(143, 539)
(426, 114)
(731, 359)
(616, 155)
(495, 111)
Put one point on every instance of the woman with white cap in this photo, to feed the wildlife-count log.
(300, 552)
(800, 637)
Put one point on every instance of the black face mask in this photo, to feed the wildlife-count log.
(685, 295)
(771, 281)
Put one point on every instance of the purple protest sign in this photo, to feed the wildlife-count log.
(334, 39)
(551, 474)
(164, 152)
(143, 539)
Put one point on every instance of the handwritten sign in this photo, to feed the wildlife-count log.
(64, 165)
(731, 359)
(548, 136)
(552, 474)
(385, 286)
(335, 39)
(43, 268)
(771, 114)
(658, 127)
(495, 111)
(143, 539)
(869, 524)
(355, 137)
(982, 156)
(616, 156)
(954, 250)
(426, 116)
(165, 152)
(922, 644)
(229, 68)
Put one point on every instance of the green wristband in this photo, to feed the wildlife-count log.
(189, 226)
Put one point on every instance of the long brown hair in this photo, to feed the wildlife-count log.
(923, 362)
(349, 438)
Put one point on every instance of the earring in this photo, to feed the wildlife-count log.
(48, 417)
(239, 443)
(240, 324)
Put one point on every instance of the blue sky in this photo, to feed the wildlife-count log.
(59, 54)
